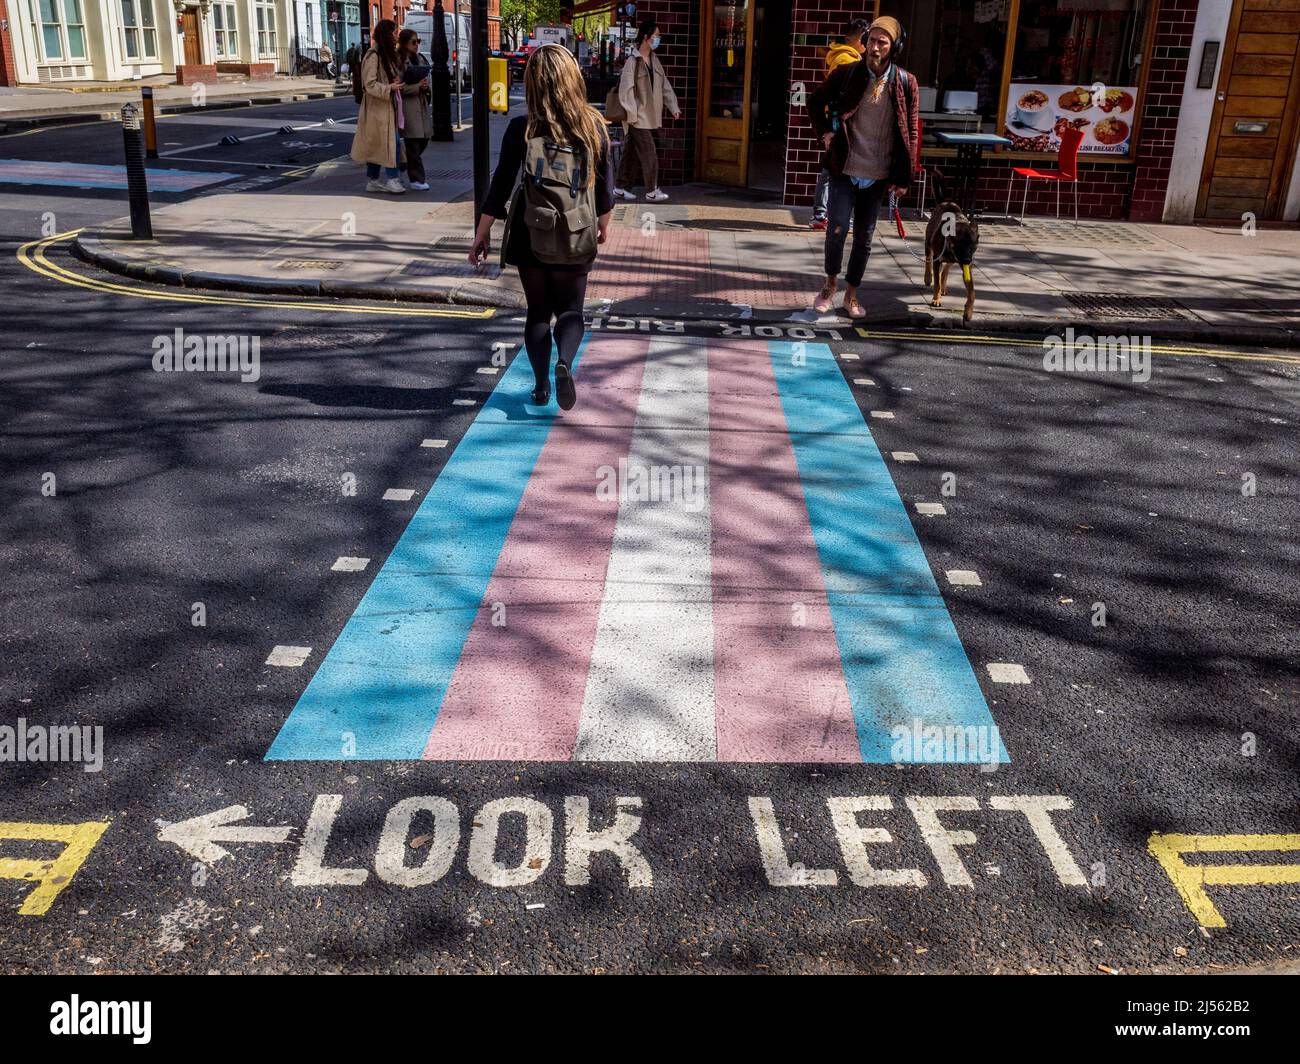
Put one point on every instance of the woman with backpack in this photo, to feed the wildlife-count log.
(417, 112)
(643, 93)
(378, 86)
(555, 161)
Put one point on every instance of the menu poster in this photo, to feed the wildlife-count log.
(1037, 114)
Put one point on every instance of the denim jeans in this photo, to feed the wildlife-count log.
(373, 169)
(821, 194)
(863, 207)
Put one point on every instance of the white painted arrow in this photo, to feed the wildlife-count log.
(199, 835)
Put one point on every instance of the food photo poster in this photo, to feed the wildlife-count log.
(1038, 114)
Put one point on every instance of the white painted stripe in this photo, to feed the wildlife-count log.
(462, 402)
(288, 657)
(1005, 672)
(399, 494)
(964, 578)
(887, 414)
(433, 443)
(904, 456)
(864, 380)
(490, 371)
(931, 509)
(350, 565)
(649, 693)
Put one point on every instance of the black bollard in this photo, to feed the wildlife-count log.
(150, 128)
(136, 185)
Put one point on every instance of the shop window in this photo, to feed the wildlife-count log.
(730, 39)
(1076, 63)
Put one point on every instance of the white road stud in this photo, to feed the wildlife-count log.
(349, 565)
(288, 657)
(964, 578)
(399, 494)
(1005, 672)
(904, 456)
(433, 443)
(931, 509)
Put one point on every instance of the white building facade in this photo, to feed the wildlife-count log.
(56, 41)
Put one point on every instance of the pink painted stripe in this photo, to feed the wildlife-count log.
(517, 691)
(778, 680)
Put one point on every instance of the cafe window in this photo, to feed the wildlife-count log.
(730, 38)
(1027, 68)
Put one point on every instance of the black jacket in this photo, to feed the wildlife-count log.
(838, 97)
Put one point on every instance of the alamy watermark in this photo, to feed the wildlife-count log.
(932, 744)
(1082, 353)
(195, 353)
(22, 742)
(642, 482)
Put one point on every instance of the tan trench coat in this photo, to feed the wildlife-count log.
(376, 136)
(645, 106)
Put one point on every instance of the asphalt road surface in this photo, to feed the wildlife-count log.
(543, 715)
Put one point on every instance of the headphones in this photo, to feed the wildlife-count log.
(899, 44)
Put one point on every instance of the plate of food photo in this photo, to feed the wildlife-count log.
(1111, 131)
(1076, 99)
(1116, 100)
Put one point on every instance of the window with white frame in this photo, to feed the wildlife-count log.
(139, 36)
(60, 29)
(223, 26)
(266, 41)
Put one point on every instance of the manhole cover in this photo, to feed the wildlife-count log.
(309, 264)
(1109, 305)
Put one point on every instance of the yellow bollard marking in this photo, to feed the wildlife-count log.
(51, 876)
(1191, 880)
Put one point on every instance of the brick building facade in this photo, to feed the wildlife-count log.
(1110, 187)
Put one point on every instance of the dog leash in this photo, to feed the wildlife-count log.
(898, 221)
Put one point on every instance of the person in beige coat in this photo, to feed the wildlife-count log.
(644, 92)
(377, 142)
(417, 113)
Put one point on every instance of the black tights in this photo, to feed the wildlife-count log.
(552, 293)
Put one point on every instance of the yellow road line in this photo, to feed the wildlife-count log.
(1191, 880)
(1160, 349)
(32, 255)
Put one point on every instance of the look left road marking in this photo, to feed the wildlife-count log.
(50, 876)
(1191, 880)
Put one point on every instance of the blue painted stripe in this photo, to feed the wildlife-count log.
(88, 175)
(384, 680)
(903, 660)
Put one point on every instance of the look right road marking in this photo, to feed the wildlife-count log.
(51, 876)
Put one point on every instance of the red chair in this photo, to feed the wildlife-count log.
(1067, 171)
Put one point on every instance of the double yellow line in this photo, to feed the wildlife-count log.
(32, 255)
(1003, 341)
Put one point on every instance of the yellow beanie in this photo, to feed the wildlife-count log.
(890, 25)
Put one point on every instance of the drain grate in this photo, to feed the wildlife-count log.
(309, 264)
(450, 175)
(459, 244)
(1109, 305)
(438, 268)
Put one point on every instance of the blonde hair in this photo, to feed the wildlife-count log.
(556, 95)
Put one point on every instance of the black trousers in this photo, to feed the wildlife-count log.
(414, 164)
(863, 206)
(554, 294)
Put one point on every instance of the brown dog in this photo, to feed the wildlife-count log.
(951, 237)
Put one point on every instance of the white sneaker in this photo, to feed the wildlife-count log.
(655, 195)
(393, 185)
(622, 193)
(375, 185)
(419, 186)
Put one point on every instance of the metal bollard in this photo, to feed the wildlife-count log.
(150, 128)
(136, 184)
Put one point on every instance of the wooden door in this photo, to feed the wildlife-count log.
(190, 25)
(1252, 140)
(726, 57)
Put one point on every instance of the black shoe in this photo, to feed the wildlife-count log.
(541, 396)
(565, 393)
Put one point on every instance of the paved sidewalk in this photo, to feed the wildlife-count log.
(25, 107)
(712, 252)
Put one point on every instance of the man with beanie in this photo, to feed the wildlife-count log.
(850, 51)
(867, 116)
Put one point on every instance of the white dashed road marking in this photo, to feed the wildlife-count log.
(1005, 672)
(964, 578)
(288, 657)
(904, 456)
(931, 509)
(883, 413)
(350, 565)
(399, 495)
(433, 443)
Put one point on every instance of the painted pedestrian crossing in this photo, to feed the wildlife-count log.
(88, 175)
(705, 560)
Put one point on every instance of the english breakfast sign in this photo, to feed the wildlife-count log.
(1038, 114)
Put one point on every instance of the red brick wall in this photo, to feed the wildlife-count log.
(8, 75)
(679, 52)
(1164, 94)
